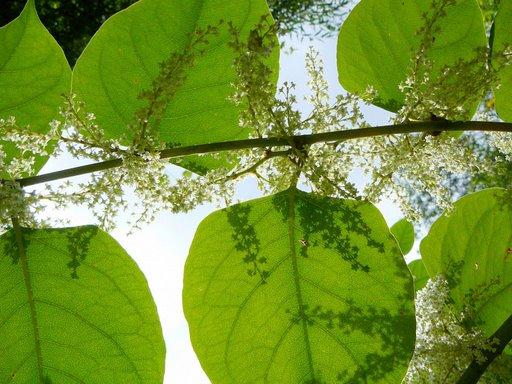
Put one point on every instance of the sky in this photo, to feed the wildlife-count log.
(160, 248)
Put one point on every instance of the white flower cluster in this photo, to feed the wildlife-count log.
(502, 141)
(82, 137)
(394, 165)
(142, 172)
(14, 203)
(442, 93)
(444, 347)
(323, 168)
(400, 164)
(22, 150)
(21, 147)
(405, 165)
(143, 177)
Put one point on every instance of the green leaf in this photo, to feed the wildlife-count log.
(403, 231)
(297, 288)
(472, 248)
(34, 73)
(379, 40)
(123, 58)
(75, 308)
(502, 39)
(419, 274)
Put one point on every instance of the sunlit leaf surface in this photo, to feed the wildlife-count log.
(123, 59)
(419, 274)
(472, 248)
(503, 39)
(296, 288)
(403, 231)
(379, 40)
(75, 308)
(34, 73)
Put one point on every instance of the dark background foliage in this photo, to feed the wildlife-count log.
(295, 16)
(71, 22)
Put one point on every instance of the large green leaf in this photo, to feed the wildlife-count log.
(74, 308)
(419, 274)
(34, 73)
(501, 40)
(379, 40)
(296, 288)
(123, 58)
(472, 247)
(403, 231)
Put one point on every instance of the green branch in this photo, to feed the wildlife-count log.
(298, 141)
(477, 367)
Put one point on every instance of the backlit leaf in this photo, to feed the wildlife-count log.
(297, 288)
(74, 308)
(419, 274)
(403, 231)
(502, 39)
(472, 248)
(34, 73)
(123, 58)
(379, 40)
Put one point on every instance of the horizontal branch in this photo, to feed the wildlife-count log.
(477, 368)
(269, 142)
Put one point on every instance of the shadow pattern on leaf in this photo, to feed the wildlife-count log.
(78, 246)
(246, 240)
(322, 222)
(341, 228)
(11, 246)
(379, 323)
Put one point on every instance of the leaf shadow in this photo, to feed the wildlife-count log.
(246, 240)
(342, 228)
(78, 240)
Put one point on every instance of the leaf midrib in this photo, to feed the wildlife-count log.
(30, 297)
(296, 277)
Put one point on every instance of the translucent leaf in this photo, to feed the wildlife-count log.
(472, 248)
(34, 73)
(403, 231)
(296, 288)
(419, 274)
(379, 40)
(502, 39)
(123, 59)
(74, 308)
